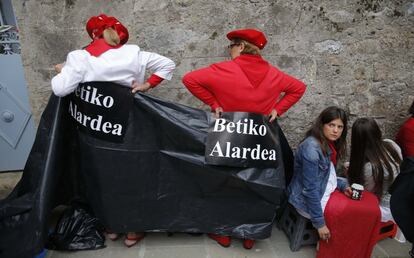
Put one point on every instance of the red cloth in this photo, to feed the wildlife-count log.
(334, 152)
(405, 138)
(353, 224)
(99, 46)
(154, 80)
(247, 83)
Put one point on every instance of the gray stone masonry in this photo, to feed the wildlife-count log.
(357, 54)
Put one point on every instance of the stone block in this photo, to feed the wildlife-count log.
(340, 16)
(329, 46)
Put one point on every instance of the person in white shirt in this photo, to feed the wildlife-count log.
(374, 162)
(108, 58)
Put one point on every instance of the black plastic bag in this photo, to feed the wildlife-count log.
(77, 230)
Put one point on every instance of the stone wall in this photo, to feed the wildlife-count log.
(357, 54)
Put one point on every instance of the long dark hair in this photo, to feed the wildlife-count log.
(367, 146)
(329, 114)
(411, 110)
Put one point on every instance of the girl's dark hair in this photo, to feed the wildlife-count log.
(411, 110)
(328, 115)
(367, 146)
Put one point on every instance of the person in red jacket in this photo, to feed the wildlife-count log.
(405, 136)
(247, 83)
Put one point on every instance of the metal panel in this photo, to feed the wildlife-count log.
(13, 117)
(7, 14)
(1, 17)
(16, 123)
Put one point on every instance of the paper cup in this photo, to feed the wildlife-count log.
(357, 191)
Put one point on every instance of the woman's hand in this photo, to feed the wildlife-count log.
(218, 112)
(272, 115)
(58, 67)
(348, 192)
(140, 87)
(324, 233)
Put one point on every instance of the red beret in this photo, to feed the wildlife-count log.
(97, 24)
(253, 36)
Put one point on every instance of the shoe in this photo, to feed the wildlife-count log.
(248, 243)
(224, 241)
(132, 239)
(111, 235)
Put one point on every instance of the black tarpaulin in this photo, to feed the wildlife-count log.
(24, 213)
(155, 180)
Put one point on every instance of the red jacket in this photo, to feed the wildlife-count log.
(247, 83)
(405, 138)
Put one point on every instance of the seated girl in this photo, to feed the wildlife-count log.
(374, 162)
(314, 177)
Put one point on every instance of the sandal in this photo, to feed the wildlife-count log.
(224, 241)
(134, 239)
(248, 243)
(111, 235)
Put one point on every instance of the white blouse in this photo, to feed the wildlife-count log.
(370, 183)
(122, 65)
(330, 186)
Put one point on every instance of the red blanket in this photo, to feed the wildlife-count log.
(353, 226)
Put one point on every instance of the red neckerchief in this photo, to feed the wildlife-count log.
(334, 152)
(254, 67)
(99, 46)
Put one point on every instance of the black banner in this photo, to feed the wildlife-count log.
(156, 180)
(101, 109)
(241, 139)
